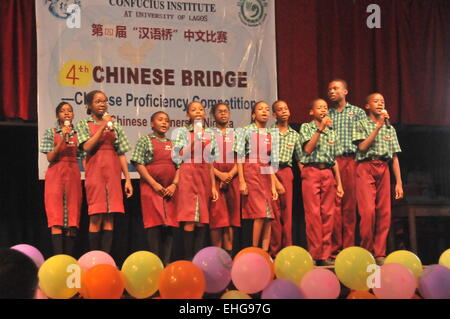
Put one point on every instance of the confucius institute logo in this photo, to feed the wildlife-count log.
(252, 12)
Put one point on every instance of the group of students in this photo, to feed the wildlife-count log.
(213, 178)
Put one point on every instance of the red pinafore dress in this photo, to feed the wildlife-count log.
(63, 193)
(258, 203)
(194, 188)
(103, 176)
(157, 210)
(226, 211)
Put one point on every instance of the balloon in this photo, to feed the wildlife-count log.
(251, 273)
(407, 259)
(95, 257)
(444, 260)
(59, 277)
(352, 267)
(182, 280)
(320, 284)
(216, 265)
(39, 294)
(142, 271)
(361, 295)
(293, 263)
(235, 294)
(282, 289)
(434, 282)
(102, 282)
(31, 252)
(258, 251)
(396, 282)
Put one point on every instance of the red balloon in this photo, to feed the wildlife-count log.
(361, 295)
(102, 282)
(182, 280)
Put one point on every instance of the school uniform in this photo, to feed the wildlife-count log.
(254, 148)
(373, 184)
(226, 211)
(319, 189)
(194, 152)
(63, 194)
(103, 170)
(289, 144)
(156, 155)
(345, 214)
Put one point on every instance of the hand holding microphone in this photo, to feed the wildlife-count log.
(66, 130)
(108, 118)
(386, 118)
(326, 122)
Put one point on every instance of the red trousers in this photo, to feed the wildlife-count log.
(374, 205)
(345, 213)
(282, 224)
(319, 201)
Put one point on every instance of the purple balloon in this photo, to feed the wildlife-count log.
(434, 282)
(31, 252)
(216, 265)
(282, 289)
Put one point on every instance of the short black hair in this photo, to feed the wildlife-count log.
(18, 275)
(311, 105)
(215, 106)
(90, 99)
(340, 80)
(156, 113)
(60, 105)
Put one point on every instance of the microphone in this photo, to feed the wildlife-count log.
(329, 126)
(66, 136)
(110, 123)
(198, 129)
(386, 120)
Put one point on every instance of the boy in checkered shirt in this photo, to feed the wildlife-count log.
(321, 181)
(288, 145)
(377, 147)
(344, 116)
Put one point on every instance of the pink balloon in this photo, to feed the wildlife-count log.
(320, 284)
(95, 257)
(251, 273)
(31, 252)
(39, 294)
(396, 282)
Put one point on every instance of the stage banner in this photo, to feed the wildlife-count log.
(154, 55)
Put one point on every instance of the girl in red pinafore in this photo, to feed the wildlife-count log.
(256, 177)
(152, 157)
(226, 211)
(194, 149)
(105, 143)
(63, 193)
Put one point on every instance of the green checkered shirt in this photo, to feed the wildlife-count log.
(289, 145)
(242, 145)
(121, 144)
(343, 123)
(182, 140)
(143, 151)
(326, 149)
(48, 141)
(385, 143)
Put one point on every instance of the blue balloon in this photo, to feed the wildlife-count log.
(282, 289)
(434, 282)
(216, 264)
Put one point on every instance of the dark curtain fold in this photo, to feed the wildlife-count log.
(18, 70)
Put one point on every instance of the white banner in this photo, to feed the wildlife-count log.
(152, 55)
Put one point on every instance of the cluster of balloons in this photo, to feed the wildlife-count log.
(291, 275)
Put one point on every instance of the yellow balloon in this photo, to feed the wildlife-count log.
(444, 260)
(407, 259)
(352, 267)
(60, 277)
(142, 270)
(292, 263)
(235, 294)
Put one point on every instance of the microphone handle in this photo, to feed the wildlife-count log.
(387, 123)
(66, 137)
